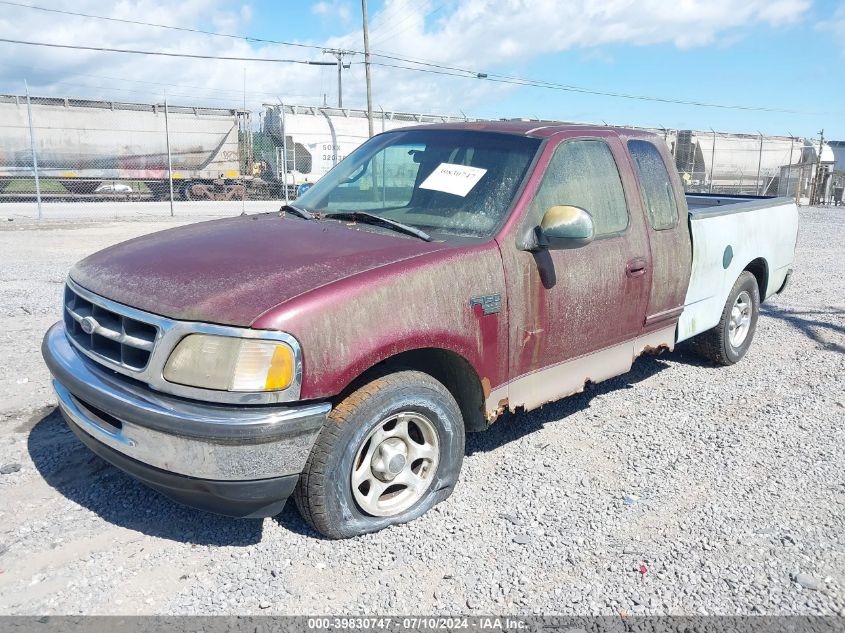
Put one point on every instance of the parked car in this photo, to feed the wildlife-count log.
(339, 349)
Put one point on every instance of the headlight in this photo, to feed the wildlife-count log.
(228, 363)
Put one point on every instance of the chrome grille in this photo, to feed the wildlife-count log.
(137, 344)
(111, 336)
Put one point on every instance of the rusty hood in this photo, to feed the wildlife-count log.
(231, 271)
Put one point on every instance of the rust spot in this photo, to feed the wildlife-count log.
(485, 387)
(650, 349)
(499, 410)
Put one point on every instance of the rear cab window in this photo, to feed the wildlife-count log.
(656, 185)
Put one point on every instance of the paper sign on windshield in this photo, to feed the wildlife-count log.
(455, 179)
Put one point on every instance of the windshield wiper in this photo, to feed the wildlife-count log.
(302, 213)
(372, 218)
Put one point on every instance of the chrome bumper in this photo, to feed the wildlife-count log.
(204, 441)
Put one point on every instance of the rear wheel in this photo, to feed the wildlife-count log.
(728, 342)
(387, 454)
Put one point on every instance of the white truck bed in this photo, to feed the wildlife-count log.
(729, 233)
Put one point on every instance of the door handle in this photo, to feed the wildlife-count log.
(636, 267)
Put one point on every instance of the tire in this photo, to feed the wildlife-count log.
(360, 432)
(718, 344)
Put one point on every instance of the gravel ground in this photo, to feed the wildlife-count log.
(679, 488)
(129, 211)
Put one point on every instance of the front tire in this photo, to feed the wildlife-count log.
(388, 453)
(728, 342)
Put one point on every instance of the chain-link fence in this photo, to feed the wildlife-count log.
(82, 150)
(753, 165)
(87, 151)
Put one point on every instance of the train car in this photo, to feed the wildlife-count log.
(743, 164)
(102, 149)
(86, 147)
(315, 139)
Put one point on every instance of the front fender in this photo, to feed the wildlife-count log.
(347, 327)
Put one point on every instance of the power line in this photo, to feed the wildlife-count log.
(105, 49)
(194, 96)
(231, 91)
(465, 74)
(380, 19)
(186, 29)
(567, 88)
(183, 29)
(430, 67)
(378, 32)
(394, 30)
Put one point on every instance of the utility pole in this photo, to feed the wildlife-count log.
(339, 54)
(367, 66)
(815, 187)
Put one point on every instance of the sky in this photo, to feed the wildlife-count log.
(782, 61)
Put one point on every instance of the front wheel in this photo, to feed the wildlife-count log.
(387, 454)
(728, 342)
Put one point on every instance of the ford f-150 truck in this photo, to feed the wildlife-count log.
(338, 350)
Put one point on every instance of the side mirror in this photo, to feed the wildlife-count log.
(565, 227)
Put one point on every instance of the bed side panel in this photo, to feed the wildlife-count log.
(723, 244)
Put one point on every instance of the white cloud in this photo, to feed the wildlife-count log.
(504, 34)
(835, 24)
(488, 31)
(321, 8)
(338, 9)
(489, 35)
(143, 78)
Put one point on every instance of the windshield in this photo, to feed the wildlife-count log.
(454, 181)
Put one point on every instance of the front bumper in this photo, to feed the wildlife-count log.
(234, 460)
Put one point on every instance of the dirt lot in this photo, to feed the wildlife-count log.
(680, 488)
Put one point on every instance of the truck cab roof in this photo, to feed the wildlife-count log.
(533, 128)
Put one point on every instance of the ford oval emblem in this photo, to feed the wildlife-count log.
(88, 324)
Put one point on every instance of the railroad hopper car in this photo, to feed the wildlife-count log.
(83, 144)
(315, 139)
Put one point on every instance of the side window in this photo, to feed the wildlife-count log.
(584, 174)
(656, 185)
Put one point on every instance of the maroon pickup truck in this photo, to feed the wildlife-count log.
(337, 350)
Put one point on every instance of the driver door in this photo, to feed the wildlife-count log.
(581, 308)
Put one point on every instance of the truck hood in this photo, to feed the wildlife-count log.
(231, 271)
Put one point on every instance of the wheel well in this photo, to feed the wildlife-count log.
(760, 269)
(449, 368)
